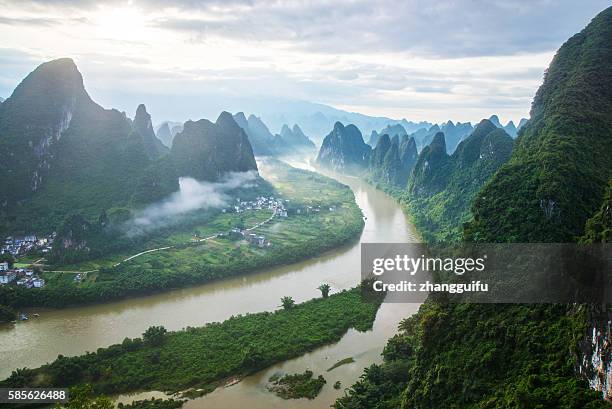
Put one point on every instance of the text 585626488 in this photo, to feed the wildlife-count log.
(33, 395)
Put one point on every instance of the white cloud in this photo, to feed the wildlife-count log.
(462, 59)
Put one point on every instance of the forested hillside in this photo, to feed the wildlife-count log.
(519, 356)
(63, 154)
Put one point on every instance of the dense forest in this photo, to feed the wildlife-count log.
(502, 356)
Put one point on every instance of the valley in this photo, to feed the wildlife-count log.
(236, 259)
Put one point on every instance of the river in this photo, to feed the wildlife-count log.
(74, 331)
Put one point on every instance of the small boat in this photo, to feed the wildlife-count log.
(23, 317)
(36, 315)
(231, 382)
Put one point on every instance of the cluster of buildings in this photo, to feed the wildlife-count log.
(262, 202)
(18, 246)
(251, 238)
(21, 276)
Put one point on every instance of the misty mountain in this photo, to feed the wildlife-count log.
(143, 126)
(454, 133)
(63, 153)
(391, 130)
(344, 150)
(442, 186)
(167, 131)
(392, 160)
(317, 119)
(292, 140)
(205, 150)
(510, 128)
(259, 135)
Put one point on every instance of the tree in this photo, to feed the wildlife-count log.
(324, 288)
(7, 314)
(155, 335)
(8, 257)
(287, 302)
(82, 397)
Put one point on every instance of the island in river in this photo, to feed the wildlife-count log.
(196, 360)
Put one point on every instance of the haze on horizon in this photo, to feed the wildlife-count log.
(461, 60)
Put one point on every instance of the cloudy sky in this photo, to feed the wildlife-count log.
(420, 60)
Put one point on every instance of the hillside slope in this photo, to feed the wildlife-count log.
(520, 356)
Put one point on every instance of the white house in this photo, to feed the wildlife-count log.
(7, 276)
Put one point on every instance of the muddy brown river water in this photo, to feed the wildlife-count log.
(74, 331)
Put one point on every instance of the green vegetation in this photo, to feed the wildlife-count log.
(287, 302)
(518, 356)
(297, 385)
(82, 397)
(64, 154)
(7, 314)
(153, 403)
(562, 162)
(341, 362)
(479, 356)
(443, 187)
(325, 289)
(299, 236)
(199, 357)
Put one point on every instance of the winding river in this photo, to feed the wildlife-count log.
(77, 330)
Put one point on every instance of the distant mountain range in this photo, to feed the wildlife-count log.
(317, 119)
(454, 133)
(289, 141)
(391, 154)
(63, 153)
(167, 131)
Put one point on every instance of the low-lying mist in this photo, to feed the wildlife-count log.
(192, 195)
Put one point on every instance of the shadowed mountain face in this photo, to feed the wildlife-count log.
(142, 124)
(258, 133)
(289, 141)
(443, 186)
(63, 153)
(393, 159)
(164, 134)
(206, 150)
(344, 150)
(292, 141)
(562, 162)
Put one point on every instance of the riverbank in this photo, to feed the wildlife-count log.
(322, 216)
(199, 358)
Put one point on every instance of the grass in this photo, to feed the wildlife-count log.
(294, 238)
(202, 358)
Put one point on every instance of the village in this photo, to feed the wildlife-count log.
(19, 247)
(26, 276)
(280, 208)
